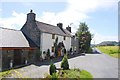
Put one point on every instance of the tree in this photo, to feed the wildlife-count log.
(52, 69)
(56, 47)
(64, 63)
(48, 53)
(84, 37)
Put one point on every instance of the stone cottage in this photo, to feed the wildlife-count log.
(19, 47)
(43, 35)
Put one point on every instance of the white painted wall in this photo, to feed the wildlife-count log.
(47, 42)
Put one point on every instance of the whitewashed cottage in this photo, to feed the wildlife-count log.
(43, 35)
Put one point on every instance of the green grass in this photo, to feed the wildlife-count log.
(110, 50)
(73, 74)
(5, 73)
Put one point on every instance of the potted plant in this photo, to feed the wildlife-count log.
(48, 54)
(44, 54)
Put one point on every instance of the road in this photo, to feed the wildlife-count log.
(99, 65)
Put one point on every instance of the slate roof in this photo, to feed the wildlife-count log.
(48, 28)
(67, 32)
(12, 38)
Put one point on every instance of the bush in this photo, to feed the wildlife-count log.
(64, 63)
(48, 53)
(38, 54)
(52, 69)
(54, 76)
(90, 50)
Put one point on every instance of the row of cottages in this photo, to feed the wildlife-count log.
(19, 47)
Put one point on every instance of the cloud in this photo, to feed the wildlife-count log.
(98, 38)
(33, 0)
(15, 21)
(75, 12)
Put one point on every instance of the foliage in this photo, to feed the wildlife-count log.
(48, 52)
(84, 37)
(113, 51)
(44, 52)
(5, 73)
(65, 51)
(52, 69)
(54, 76)
(56, 46)
(64, 63)
(90, 50)
(76, 74)
(85, 74)
(38, 54)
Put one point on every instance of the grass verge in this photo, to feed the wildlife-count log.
(71, 74)
(4, 74)
(113, 51)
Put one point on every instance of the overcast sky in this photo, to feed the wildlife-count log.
(101, 16)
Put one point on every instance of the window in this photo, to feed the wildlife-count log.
(53, 36)
(64, 37)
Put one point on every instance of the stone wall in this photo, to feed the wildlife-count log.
(32, 33)
(7, 56)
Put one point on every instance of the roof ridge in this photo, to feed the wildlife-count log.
(47, 24)
(9, 29)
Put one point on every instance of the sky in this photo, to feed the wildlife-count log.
(101, 16)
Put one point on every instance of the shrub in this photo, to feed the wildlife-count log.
(64, 63)
(54, 76)
(44, 52)
(64, 51)
(48, 52)
(90, 50)
(38, 54)
(52, 69)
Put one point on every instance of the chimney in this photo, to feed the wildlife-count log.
(68, 28)
(31, 16)
(60, 25)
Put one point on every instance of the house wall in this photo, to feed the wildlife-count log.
(31, 56)
(75, 44)
(31, 32)
(67, 43)
(7, 55)
(47, 42)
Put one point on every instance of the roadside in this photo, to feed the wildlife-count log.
(99, 65)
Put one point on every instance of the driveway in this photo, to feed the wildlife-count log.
(99, 65)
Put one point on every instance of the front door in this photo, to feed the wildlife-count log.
(17, 57)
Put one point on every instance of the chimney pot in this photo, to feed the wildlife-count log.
(31, 16)
(68, 28)
(60, 25)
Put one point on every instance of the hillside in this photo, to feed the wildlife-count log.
(108, 43)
